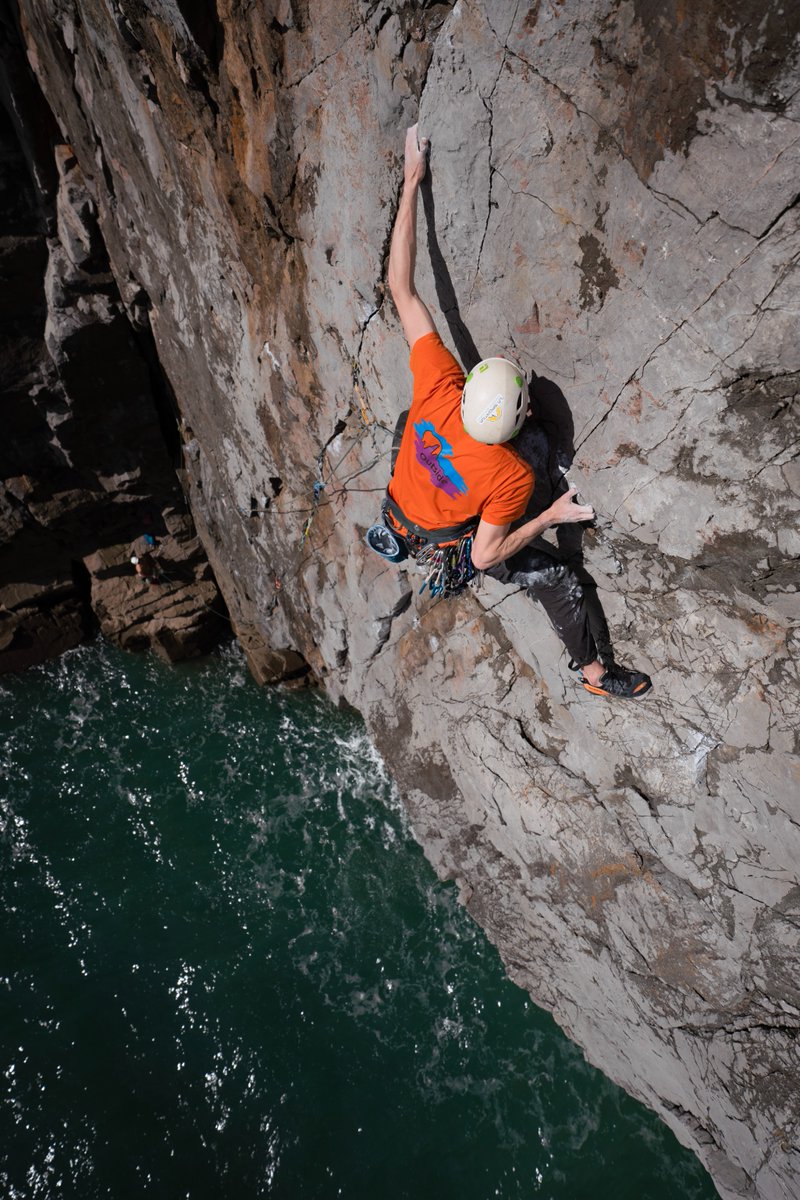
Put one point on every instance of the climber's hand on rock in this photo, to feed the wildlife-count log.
(564, 511)
(416, 157)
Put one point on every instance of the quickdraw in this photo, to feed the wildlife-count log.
(445, 555)
(318, 489)
(362, 404)
(449, 569)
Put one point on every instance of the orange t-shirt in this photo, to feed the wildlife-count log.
(442, 476)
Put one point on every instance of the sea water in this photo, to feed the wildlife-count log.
(227, 970)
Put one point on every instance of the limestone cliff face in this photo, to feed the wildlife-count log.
(613, 198)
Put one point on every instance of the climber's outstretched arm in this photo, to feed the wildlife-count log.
(414, 315)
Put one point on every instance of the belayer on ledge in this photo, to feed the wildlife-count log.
(459, 490)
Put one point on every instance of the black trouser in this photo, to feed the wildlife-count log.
(555, 576)
(568, 596)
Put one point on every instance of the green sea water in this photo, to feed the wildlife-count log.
(227, 971)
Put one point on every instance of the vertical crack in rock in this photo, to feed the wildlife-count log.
(384, 624)
(491, 203)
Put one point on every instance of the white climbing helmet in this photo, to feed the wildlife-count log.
(493, 405)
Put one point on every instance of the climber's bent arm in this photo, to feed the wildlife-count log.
(493, 544)
(413, 313)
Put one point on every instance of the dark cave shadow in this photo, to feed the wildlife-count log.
(546, 440)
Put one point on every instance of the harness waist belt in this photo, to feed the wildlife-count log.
(450, 533)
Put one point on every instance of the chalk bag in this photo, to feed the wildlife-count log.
(383, 542)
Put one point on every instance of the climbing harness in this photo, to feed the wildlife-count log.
(444, 555)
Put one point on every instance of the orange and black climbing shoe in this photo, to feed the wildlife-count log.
(620, 683)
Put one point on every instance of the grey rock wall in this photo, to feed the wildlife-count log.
(613, 198)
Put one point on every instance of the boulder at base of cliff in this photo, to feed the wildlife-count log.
(268, 665)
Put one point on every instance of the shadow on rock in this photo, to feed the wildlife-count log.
(463, 341)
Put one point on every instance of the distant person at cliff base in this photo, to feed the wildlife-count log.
(142, 560)
(458, 486)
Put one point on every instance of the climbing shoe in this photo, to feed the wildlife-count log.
(619, 682)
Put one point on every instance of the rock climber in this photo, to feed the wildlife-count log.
(459, 490)
(142, 560)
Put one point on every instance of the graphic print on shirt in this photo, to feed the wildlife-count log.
(436, 454)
